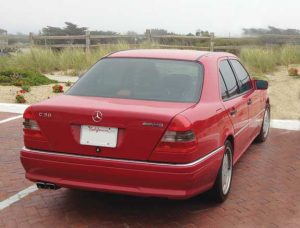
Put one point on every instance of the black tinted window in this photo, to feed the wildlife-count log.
(224, 92)
(144, 79)
(229, 78)
(242, 76)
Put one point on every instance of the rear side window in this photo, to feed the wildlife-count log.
(142, 79)
(229, 78)
(242, 76)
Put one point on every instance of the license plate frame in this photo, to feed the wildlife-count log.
(98, 136)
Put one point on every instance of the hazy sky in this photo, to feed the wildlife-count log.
(219, 16)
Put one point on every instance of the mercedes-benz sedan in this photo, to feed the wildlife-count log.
(166, 123)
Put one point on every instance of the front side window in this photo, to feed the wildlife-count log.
(242, 76)
(229, 78)
(143, 79)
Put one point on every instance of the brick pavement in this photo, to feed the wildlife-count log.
(11, 171)
(4, 115)
(265, 193)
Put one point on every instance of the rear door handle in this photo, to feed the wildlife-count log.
(249, 102)
(233, 111)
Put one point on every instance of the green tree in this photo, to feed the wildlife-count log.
(69, 29)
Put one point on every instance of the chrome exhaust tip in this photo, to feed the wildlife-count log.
(52, 186)
(40, 185)
(43, 185)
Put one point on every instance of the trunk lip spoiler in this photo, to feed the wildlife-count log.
(124, 161)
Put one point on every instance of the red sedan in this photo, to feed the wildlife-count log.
(166, 123)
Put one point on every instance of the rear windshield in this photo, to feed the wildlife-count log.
(143, 79)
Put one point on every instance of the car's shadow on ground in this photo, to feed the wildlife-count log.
(108, 207)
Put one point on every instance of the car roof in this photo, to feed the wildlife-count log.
(176, 54)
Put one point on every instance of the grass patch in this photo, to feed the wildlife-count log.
(70, 60)
(265, 60)
(260, 60)
(74, 61)
(46, 60)
(23, 77)
(290, 55)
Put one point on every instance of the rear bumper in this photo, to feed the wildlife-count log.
(123, 176)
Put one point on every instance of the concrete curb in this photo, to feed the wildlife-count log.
(293, 125)
(13, 108)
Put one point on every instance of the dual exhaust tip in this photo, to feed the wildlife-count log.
(44, 185)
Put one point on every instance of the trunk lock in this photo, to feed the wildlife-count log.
(98, 149)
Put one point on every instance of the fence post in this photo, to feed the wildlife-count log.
(3, 41)
(212, 44)
(87, 41)
(31, 40)
(45, 42)
(148, 35)
(6, 40)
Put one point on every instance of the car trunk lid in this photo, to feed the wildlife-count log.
(140, 124)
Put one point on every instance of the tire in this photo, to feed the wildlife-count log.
(265, 127)
(222, 185)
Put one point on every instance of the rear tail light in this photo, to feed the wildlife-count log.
(179, 137)
(31, 124)
(31, 128)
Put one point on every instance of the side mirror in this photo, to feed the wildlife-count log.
(261, 84)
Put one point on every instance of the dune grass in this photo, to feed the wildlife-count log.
(73, 61)
(46, 60)
(265, 60)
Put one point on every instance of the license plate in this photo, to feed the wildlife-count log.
(98, 136)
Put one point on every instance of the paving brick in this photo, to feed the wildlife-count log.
(11, 171)
(265, 193)
(5, 115)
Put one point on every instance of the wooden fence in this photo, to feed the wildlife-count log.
(88, 38)
(87, 41)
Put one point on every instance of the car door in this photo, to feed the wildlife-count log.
(236, 106)
(254, 104)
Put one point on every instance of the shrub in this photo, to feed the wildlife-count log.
(17, 82)
(68, 83)
(57, 88)
(26, 88)
(4, 80)
(293, 72)
(20, 98)
(22, 91)
(19, 77)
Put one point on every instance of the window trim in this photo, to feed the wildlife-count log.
(232, 67)
(219, 73)
(222, 78)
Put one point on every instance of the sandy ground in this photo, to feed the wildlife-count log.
(284, 93)
(37, 93)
